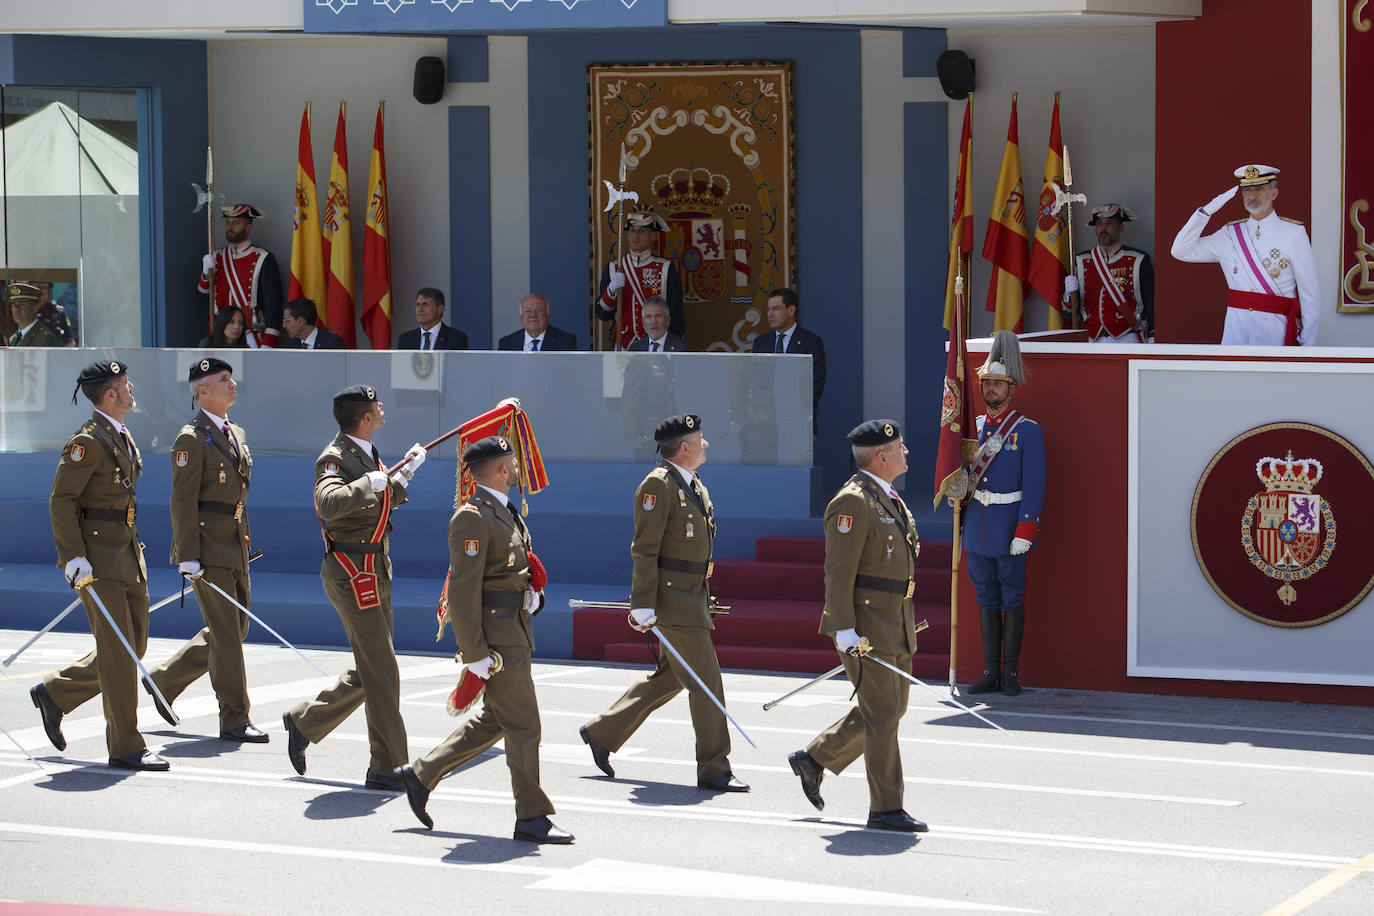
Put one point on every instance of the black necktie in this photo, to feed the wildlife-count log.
(377, 457)
(534, 345)
(515, 514)
(232, 444)
(777, 344)
(653, 346)
(425, 345)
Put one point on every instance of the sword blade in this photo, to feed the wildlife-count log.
(21, 747)
(700, 683)
(280, 638)
(920, 683)
(41, 633)
(88, 585)
(807, 686)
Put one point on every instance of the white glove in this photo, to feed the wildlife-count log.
(76, 568)
(1070, 284)
(377, 479)
(189, 568)
(482, 668)
(533, 599)
(207, 262)
(846, 640)
(414, 458)
(641, 618)
(1019, 546)
(1220, 200)
(617, 282)
(400, 478)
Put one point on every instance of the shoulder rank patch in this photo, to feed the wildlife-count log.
(470, 547)
(844, 523)
(182, 458)
(78, 452)
(650, 500)
(331, 468)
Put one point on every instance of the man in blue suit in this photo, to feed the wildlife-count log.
(432, 334)
(1007, 491)
(787, 336)
(538, 334)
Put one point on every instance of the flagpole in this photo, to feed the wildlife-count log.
(210, 231)
(958, 503)
(1068, 218)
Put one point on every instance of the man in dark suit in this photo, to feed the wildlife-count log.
(302, 333)
(537, 334)
(787, 336)
(432, 334)
(657, 338)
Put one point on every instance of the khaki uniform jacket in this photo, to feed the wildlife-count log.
(98, 471)
(671, 529)
(205, 471)
(868, 535)
(40, 335)
(347, 505)
(488, 554)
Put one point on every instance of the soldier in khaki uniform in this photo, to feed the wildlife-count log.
(675, 528)
(211, 466)
(870, 561)
(31, 331)
(93, 505)
(353, 499)
(491, 601)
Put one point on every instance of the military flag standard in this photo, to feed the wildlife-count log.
(338, 241)
(307, 245)
(1006, 242)
(961, 230)
(377, 246)
(1049, 260)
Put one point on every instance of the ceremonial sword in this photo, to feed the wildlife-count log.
(920, 683)
(21, 747)
(700, 683)
(282, 639)
(88, 582)
(827, 676)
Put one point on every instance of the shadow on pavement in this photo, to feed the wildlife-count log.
(89, 778)
(861, 841)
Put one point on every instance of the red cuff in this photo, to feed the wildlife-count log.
(1026, 530)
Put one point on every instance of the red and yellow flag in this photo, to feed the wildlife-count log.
(377, 248)
(1006, 242)
(958, 436)
(307, 247)
(1049, 260)
(961, 230)
(338, 241)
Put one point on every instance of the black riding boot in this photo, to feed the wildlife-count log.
(991, 620)
(1011, 649)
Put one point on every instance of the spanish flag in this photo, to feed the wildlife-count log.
(1049, 261)
(338, 241)
(1006, 242)
(961, 230)
(377, 247)
(307, 247)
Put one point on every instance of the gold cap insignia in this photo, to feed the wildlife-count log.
(887, 429)
(1251, 172)
(371, 393)
(503, 443)
(204, 365)
(114, 367)
(690, 422)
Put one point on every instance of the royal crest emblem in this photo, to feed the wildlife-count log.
(650, 500)
(182, 458)
(844, 524)
(1288, 531)
(950, 405)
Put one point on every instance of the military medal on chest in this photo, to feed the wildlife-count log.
(510, 559)
(222, 477)
(994, 444)
(691, 530)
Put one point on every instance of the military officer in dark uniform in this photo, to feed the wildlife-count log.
(871, 546)
(491, 603)
(93, 505)
(211, 466)
(674, 531)
(353, 499)
(31, 331)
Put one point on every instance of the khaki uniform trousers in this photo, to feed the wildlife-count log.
(216, 649)
(109, 670)
(870, 728)
(510, 708)
(373, 682)
(615, 726)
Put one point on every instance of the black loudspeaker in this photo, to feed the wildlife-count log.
(429, 80)
(955, 69)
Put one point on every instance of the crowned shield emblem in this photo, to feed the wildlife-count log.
(78, 452)
(844, 523)
(470, 547)
(182, 458)
(650, 500)
(1288, 531)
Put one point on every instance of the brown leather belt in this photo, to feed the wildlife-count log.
(892, 586)
(503, 599)
(126, 516)
(694, 567)
(234, 509)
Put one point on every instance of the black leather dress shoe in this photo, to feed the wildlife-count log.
(296, 743)
(726, 783)
(416, 794)
(248, 734)
(541, 830)
(143, 760)
(811, 773)
(52, 716)
(898, 821)
(600, 756)
(162, 709)
(383, 781)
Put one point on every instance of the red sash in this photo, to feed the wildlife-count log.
(1290, 308)
(363, 581)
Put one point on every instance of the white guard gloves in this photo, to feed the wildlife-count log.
(533, 599)
(641, 618)
(1070, 285)
(1216, 203)
(617, 282)
(189, 568)
(377, 479)
(846, 640)
(414, 458)
(482, 668)
(1019, 546)
(207, 262)
(76, 568)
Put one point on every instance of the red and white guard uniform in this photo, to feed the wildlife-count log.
(248, 277)
(646, 276)
(1116, 292)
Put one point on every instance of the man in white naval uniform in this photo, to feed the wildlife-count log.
(1267, 260)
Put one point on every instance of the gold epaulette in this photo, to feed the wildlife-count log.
(1234, 221)
(660, 472)
(1289, 219)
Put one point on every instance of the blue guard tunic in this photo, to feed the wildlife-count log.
(996, 514)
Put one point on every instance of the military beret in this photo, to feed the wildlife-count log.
(22, 292)
(243, 211)
(98, 372)
(675, 426)
(490, 447)
(1252, 176)
(1107, 211)
(875, 432)
(361, 393)
(207, 366)
(646, 219)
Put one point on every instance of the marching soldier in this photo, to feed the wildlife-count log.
(675, 528)
(491, 600)
(1113, 286)
(636, 278)
(93, 505)
(871, 546)
(246, 276)
(353, 500)
(32, 330)
(211, 466)
(1001, 521)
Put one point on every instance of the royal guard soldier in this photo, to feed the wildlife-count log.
(1112, 286)
(495, 587)
(1006, 491)
(635, 278)
(246, 276)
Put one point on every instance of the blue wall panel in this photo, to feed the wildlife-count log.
(469, 221)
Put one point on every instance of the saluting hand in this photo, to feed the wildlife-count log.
(1216, 203)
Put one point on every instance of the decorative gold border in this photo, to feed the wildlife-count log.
(1355, 8)
(1197, 494)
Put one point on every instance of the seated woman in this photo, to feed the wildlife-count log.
(227, 331)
